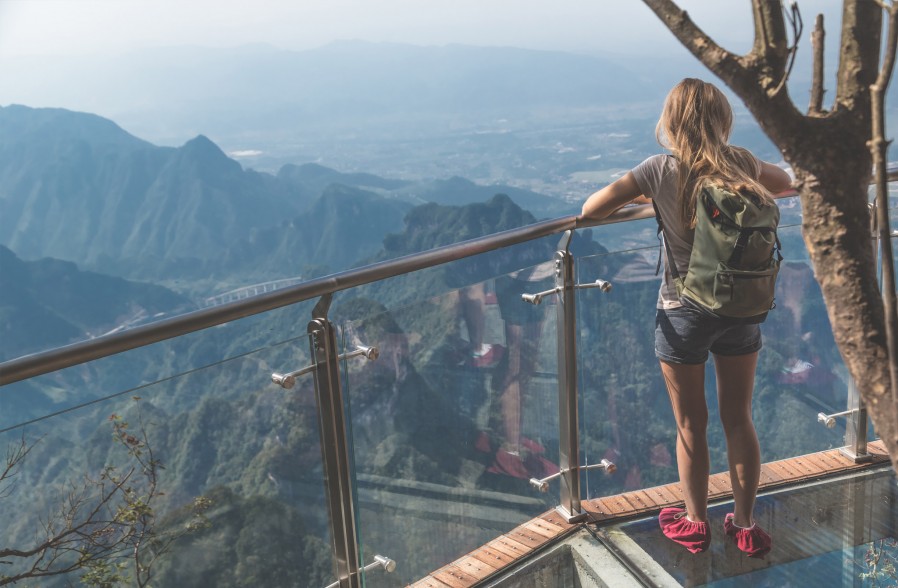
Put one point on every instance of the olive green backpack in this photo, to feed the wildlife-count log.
(735, 256)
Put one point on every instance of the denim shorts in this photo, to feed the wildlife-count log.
(685, 335)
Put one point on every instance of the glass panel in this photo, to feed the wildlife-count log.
(800, 372)
(622, 237)
(451, 421)
(624, 410)
(238, 459)
(831, 533)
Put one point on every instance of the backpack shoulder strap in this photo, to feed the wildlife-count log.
(672, 267)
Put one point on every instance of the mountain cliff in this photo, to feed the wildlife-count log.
(48, 303)
(76, 186)
(344, 225)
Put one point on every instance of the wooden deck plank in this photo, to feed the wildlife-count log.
(719, 485)
(455, 577)
(475, 567)
(768, 476)
(544, 528)
(527, 537)
(838, 459)
(781, 472)
(628, 498)
(676, 490)
(615, 505)
(791, 471)
(491, 557)
(554, 517)
(509, 547)
(812, 465)
(596, 509)
(666, 495)
(643, 501)
(429, 582)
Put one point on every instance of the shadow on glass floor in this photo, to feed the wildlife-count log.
(838, 532)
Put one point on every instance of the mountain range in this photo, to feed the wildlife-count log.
(77, 187)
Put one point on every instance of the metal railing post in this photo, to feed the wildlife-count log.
(334, 445)
(855, 426)
(568, 430)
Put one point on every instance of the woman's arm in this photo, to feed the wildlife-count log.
(774, 178)
(611, 197)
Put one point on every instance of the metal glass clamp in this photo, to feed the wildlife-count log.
(288, 380)
(380, 561)
(543, 484)
(830, 419)
(538, 297)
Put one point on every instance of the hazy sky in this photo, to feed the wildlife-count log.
(87, 26)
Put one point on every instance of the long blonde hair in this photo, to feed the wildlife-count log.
(695, 126)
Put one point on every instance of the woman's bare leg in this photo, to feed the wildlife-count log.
(686, 387)
(735, 383)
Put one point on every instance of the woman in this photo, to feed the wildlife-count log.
(695, 126)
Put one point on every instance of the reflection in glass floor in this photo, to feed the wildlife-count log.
(836, 532)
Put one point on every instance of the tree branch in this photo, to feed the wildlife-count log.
(796, 23)
(771, 43)
(817, 91)
(15, 454)
(72, 531)
(756, 78)
(692, 37)
(859, 54)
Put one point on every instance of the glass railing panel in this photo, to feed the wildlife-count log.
(625, 412)
(800, 371)
(239, 493)
(621, 237)
(98, 317)
(86, 382)
(452, 419)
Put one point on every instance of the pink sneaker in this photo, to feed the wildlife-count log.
(696, 537)
(753, 541)
(487, 356)
(507, 463)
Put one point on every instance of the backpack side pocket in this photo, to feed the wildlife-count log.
(740, 293)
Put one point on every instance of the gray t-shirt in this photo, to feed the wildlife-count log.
(657, 178)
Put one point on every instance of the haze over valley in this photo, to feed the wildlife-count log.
(518, 117)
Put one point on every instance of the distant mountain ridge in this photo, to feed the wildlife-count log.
(77, 187)
(343, 226)
(48, 303)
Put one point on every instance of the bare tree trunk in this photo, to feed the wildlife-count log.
(832, 165)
